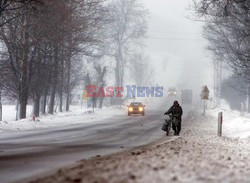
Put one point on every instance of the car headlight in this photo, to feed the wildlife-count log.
(175, 93)
(130, 109)
(140, 109)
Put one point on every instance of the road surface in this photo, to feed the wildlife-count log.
(197, 155)
(31, 153)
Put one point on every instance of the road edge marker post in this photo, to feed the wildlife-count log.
(220, 120)
(204, 107)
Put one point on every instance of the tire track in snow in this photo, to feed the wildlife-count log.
(198, 155)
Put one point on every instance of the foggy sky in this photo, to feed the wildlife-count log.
(176, 46)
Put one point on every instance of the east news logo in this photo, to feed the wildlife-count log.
(131, 91)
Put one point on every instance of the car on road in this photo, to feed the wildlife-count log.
(136, 108)
(172, 92)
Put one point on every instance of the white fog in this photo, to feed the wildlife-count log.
(176, 46)
(124, 91)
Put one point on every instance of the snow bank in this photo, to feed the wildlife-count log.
(235, 123)
(197, 155)
(9, 112)
(77, 115)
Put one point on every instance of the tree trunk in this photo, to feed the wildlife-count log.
(52, 99)
(23, 95)
(100, 102)
(23, 107)
(44, 103)
(1, 112)
(68, 90)
(61, 86)
(68, 102)
(248, 98)
(60, 93)
(60, 101)
(36, 107)
(102, 84)
(17, 110)
(54, 83)
(117, 72)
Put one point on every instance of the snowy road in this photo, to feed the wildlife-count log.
(30, 153)
(198, 155)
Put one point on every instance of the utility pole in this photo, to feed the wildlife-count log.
(217, 82)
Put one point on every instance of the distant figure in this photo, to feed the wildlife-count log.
(176, 112)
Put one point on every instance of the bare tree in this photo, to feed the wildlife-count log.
(20, 49)
(141, 70)
(7, 6)
(228, 32)
(85, 39)
(42, 48)
(101, 72)
(127, 30)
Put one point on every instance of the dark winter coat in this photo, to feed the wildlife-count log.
(175, 111)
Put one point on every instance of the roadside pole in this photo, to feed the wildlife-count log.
(204, 97)
(220, 119)
(204, 107)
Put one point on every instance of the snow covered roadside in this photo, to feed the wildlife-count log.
(77, 115)
(235, 124)
(198, 155)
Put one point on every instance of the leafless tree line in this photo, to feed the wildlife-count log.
(228, 31)
(44, 42)
(12, 5)
(41, 50)
(227, 28)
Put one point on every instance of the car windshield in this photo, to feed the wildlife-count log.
(136, 104)
(171, 89)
